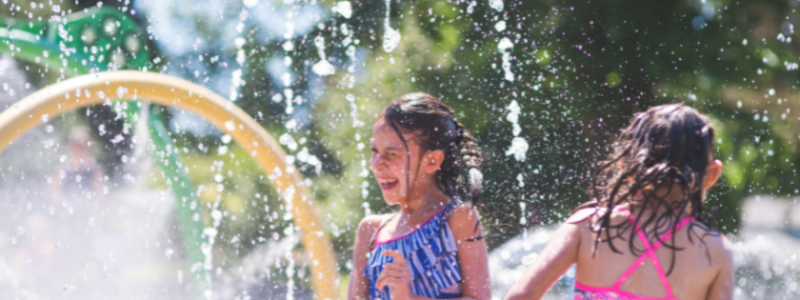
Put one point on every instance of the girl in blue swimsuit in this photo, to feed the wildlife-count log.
(427, 164)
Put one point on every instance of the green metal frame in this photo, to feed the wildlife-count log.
(106, 39)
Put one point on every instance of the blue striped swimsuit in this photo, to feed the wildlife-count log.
(430, 253)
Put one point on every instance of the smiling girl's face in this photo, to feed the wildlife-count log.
(391, 162)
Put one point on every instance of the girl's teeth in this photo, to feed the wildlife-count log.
(388, 184)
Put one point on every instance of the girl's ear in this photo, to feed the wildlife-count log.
(431, 161)
(712, 174)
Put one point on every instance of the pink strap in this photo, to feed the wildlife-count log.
(650, 252)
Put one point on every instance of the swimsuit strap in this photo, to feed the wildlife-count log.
(650, 252)
(374, 238)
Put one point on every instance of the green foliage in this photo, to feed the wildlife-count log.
(229, 181)
(581, 70)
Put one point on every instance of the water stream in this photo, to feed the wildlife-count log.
(316, 74)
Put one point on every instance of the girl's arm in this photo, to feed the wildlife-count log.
(358, 288)
(722, 286)
(473, 259)
(559, 254)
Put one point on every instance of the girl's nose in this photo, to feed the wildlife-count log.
(377, 162)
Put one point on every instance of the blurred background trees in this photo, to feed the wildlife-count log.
(580, 70)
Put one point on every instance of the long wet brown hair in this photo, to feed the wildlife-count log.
(666, 147)
(434, 127)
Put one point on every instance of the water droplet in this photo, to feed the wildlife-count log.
(500, 26)
(287, 140)
(323, 67)
(117, 139)
(121, 91)
(344, 8)
(519, 149)
(250, 3)
(496, 4)
(391, 37)
(504, 46)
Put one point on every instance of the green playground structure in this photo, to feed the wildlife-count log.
(103, 39)
(99, 40)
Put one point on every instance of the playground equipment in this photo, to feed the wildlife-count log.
(91, 40)
(106, 39)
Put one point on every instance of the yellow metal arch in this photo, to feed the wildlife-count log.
(174, 92)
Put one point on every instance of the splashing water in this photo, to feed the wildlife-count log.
(343, 8)
(323, 67)
(350, 80)
(496, 4)
(290, 273)
(475, 177)
(326, 116)
(500, 26)
(287, 196)
(306, 157)
(236, 75)
(351, 54)
(513, 116)
(505, 47)
(288, 47)
(211, 233)
(250, 3)
(519, 146)
(391, 37)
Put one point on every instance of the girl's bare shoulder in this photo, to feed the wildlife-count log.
(719, 247)
(370, 224)
(584, 219)
(583, 216)
(590, 215)
(463, 216)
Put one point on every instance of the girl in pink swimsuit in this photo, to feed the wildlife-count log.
(644, 235)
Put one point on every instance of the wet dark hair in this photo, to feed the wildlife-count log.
(435, 128)
(668, 146)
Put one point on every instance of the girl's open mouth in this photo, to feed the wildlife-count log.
(388, 184)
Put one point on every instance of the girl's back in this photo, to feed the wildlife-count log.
(696, 266)
(654, 182)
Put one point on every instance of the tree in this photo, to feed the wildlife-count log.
(577, 71)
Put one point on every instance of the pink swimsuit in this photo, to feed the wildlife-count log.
(583, 292)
